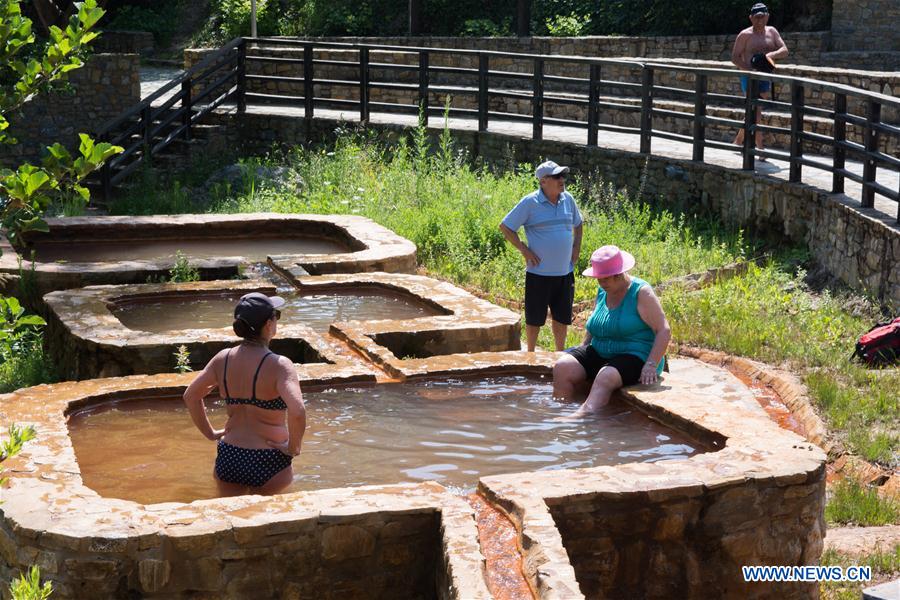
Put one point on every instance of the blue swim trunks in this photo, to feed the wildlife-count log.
(764, 86)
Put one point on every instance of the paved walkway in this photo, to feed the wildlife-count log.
(860, 541)
(153, 78)
(885, 210)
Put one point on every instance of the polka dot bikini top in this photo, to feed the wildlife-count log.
(274, 404)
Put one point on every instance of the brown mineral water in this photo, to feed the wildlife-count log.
(451, 431)
(214, 311)
(251, 248)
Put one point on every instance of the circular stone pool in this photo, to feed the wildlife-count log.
(452, 431)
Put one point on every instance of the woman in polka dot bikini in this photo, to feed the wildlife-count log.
(266, 416)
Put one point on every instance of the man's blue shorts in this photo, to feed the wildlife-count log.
(764, 86)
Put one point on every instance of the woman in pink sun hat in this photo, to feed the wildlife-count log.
(626, 337)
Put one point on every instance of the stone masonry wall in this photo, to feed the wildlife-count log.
(125, 42)
(693, 546)
(861, 250)
(106, 86)
(865, 24)
(369, 555)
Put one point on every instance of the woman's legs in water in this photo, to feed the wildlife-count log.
(279, 481)
(607, 381)
(569, 378)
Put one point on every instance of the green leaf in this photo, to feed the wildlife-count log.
(36, 181)
(59, 152)
(86, 146)
(13, 305)
(31, 320)
(83, 192)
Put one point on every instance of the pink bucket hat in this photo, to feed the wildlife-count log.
(607, 261)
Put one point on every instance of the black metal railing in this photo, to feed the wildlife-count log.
(651, 100)
(167, 116)
(642, 94)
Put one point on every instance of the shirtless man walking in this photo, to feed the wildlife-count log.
(759, 38)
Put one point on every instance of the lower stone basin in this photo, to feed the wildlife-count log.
(80, 251)
(665, 529)
(451, 431)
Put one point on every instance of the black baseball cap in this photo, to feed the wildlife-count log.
(256, 308)
(759, 9)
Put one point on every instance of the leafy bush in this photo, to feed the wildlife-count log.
(182, 271)
(28, 586)
(568, 26)
(16, 328)
(654, 17)
(182, 359)
(486, 28)
(23, 362)
(156, 18)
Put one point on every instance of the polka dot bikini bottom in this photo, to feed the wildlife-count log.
(249, 466)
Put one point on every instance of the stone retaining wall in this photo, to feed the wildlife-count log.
(105, 87)
(125, 42)
(865, 24)
(860, 247)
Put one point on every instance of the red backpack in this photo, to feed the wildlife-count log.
(880, 347)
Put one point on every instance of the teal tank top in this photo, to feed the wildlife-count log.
(621, 330)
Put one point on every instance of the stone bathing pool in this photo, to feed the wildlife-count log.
(755, 497)
(451, 431)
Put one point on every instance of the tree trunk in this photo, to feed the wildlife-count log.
(523, 18)
(415, 17)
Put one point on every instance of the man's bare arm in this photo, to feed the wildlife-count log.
(781, 50)
(737, 52)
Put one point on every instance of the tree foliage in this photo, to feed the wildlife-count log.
(28, 190)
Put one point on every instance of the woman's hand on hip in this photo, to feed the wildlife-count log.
(284, 447)
(218, 434)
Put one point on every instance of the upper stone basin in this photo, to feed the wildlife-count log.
(79, 251)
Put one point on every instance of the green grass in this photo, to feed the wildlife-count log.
(769, 315)
(452, 210)
(852, 503)
(885, 565)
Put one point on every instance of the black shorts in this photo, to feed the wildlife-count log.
(555, 291)
(628, 365)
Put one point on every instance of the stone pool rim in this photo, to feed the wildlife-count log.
(46, 499)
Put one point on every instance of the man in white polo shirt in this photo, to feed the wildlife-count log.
(552, 225)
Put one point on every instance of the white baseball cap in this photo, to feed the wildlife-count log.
(548, 168)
